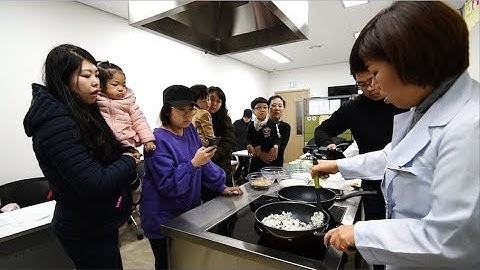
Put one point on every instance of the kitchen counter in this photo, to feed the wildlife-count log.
(192, 246)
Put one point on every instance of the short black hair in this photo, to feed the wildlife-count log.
(247, 113)
(257, 101)
(274, 97)
(106, 70)
(165, 115)
(199, 91)
(425, 42)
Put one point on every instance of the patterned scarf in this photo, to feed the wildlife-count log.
(259, 124)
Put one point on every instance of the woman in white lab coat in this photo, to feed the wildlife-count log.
(417, 53)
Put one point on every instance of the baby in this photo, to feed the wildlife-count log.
(118, 107)
(202, 120)
(122, 114)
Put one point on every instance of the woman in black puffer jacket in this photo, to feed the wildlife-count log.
(90, 173)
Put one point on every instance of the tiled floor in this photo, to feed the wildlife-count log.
(136, 254)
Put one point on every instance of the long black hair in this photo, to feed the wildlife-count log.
(220, 119)
(63, 62)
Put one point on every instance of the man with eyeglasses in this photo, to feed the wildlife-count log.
(370, 120)
(262, 136)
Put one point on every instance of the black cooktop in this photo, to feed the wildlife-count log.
(242, 226)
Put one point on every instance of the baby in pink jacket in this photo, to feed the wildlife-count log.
(123, 116)
(118, 107)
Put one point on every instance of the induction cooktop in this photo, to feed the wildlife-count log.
(242, 226)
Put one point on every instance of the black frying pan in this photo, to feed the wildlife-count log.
(308, 194)
(299, 210)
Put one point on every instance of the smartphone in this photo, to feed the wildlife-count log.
(214, 141)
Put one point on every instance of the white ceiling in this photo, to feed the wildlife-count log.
(330, 25)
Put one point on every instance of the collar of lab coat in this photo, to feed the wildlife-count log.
(406, 144)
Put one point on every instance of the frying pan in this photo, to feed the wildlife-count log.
(299, 210)
(308, 194)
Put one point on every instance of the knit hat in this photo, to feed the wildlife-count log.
(178, 96)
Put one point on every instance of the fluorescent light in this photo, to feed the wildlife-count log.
(347, 4)
(356, 34)
(274, 55)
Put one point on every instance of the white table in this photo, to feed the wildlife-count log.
(241, 153)
(27, 240)
(25, 219)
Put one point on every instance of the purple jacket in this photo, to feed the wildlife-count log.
(171, 185)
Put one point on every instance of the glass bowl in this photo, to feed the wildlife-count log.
(274, 173)
(258, 181)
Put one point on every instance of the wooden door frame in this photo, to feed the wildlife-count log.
(296, 141)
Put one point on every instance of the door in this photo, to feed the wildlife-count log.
(295, 102)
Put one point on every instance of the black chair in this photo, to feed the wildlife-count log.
(25, 192)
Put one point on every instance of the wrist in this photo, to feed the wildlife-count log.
(194, 164)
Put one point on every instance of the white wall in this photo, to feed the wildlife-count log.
(317, 78)
(151, 63)
(474, 68)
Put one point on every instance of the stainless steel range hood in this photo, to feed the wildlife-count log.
(223, 27)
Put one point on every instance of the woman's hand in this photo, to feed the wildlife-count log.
(253, 151)
(324, 168)
(136, 155)
(332, 146)
(265, 157)
(342, 238)
(203, 156)
(273, 153)
(149, 146)
(231, 191)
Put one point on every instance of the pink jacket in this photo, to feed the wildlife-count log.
(125, 119)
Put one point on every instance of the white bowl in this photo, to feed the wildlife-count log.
(293, 182)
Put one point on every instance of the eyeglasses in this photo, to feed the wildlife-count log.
(185, 111)
(364, 85)
(261, 108)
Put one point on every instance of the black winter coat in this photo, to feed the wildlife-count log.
(87, 192)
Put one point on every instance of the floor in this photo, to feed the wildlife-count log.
(136, 254)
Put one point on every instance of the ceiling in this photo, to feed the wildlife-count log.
(330, 38)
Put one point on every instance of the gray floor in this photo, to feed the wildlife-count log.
(136, 254)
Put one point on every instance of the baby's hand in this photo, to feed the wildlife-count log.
(149, 146)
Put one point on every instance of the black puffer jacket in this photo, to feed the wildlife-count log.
(87, 192)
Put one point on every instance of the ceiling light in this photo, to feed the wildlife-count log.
(274, 55)
(356, 34)
(347, 4)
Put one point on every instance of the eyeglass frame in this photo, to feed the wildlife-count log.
(364, 86)
(183, 112)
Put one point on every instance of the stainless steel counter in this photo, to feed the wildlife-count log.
(192, 246)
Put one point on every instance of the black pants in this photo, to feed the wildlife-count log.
(94, 253)
(159, 248)
(373, 205)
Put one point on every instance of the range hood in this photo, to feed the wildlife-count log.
(223, 27)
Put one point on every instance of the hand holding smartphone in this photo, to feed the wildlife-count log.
(213, 142)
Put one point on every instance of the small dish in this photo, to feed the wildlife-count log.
(274, 173)
(258, 181)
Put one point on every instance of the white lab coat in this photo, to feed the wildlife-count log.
(431, 184)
